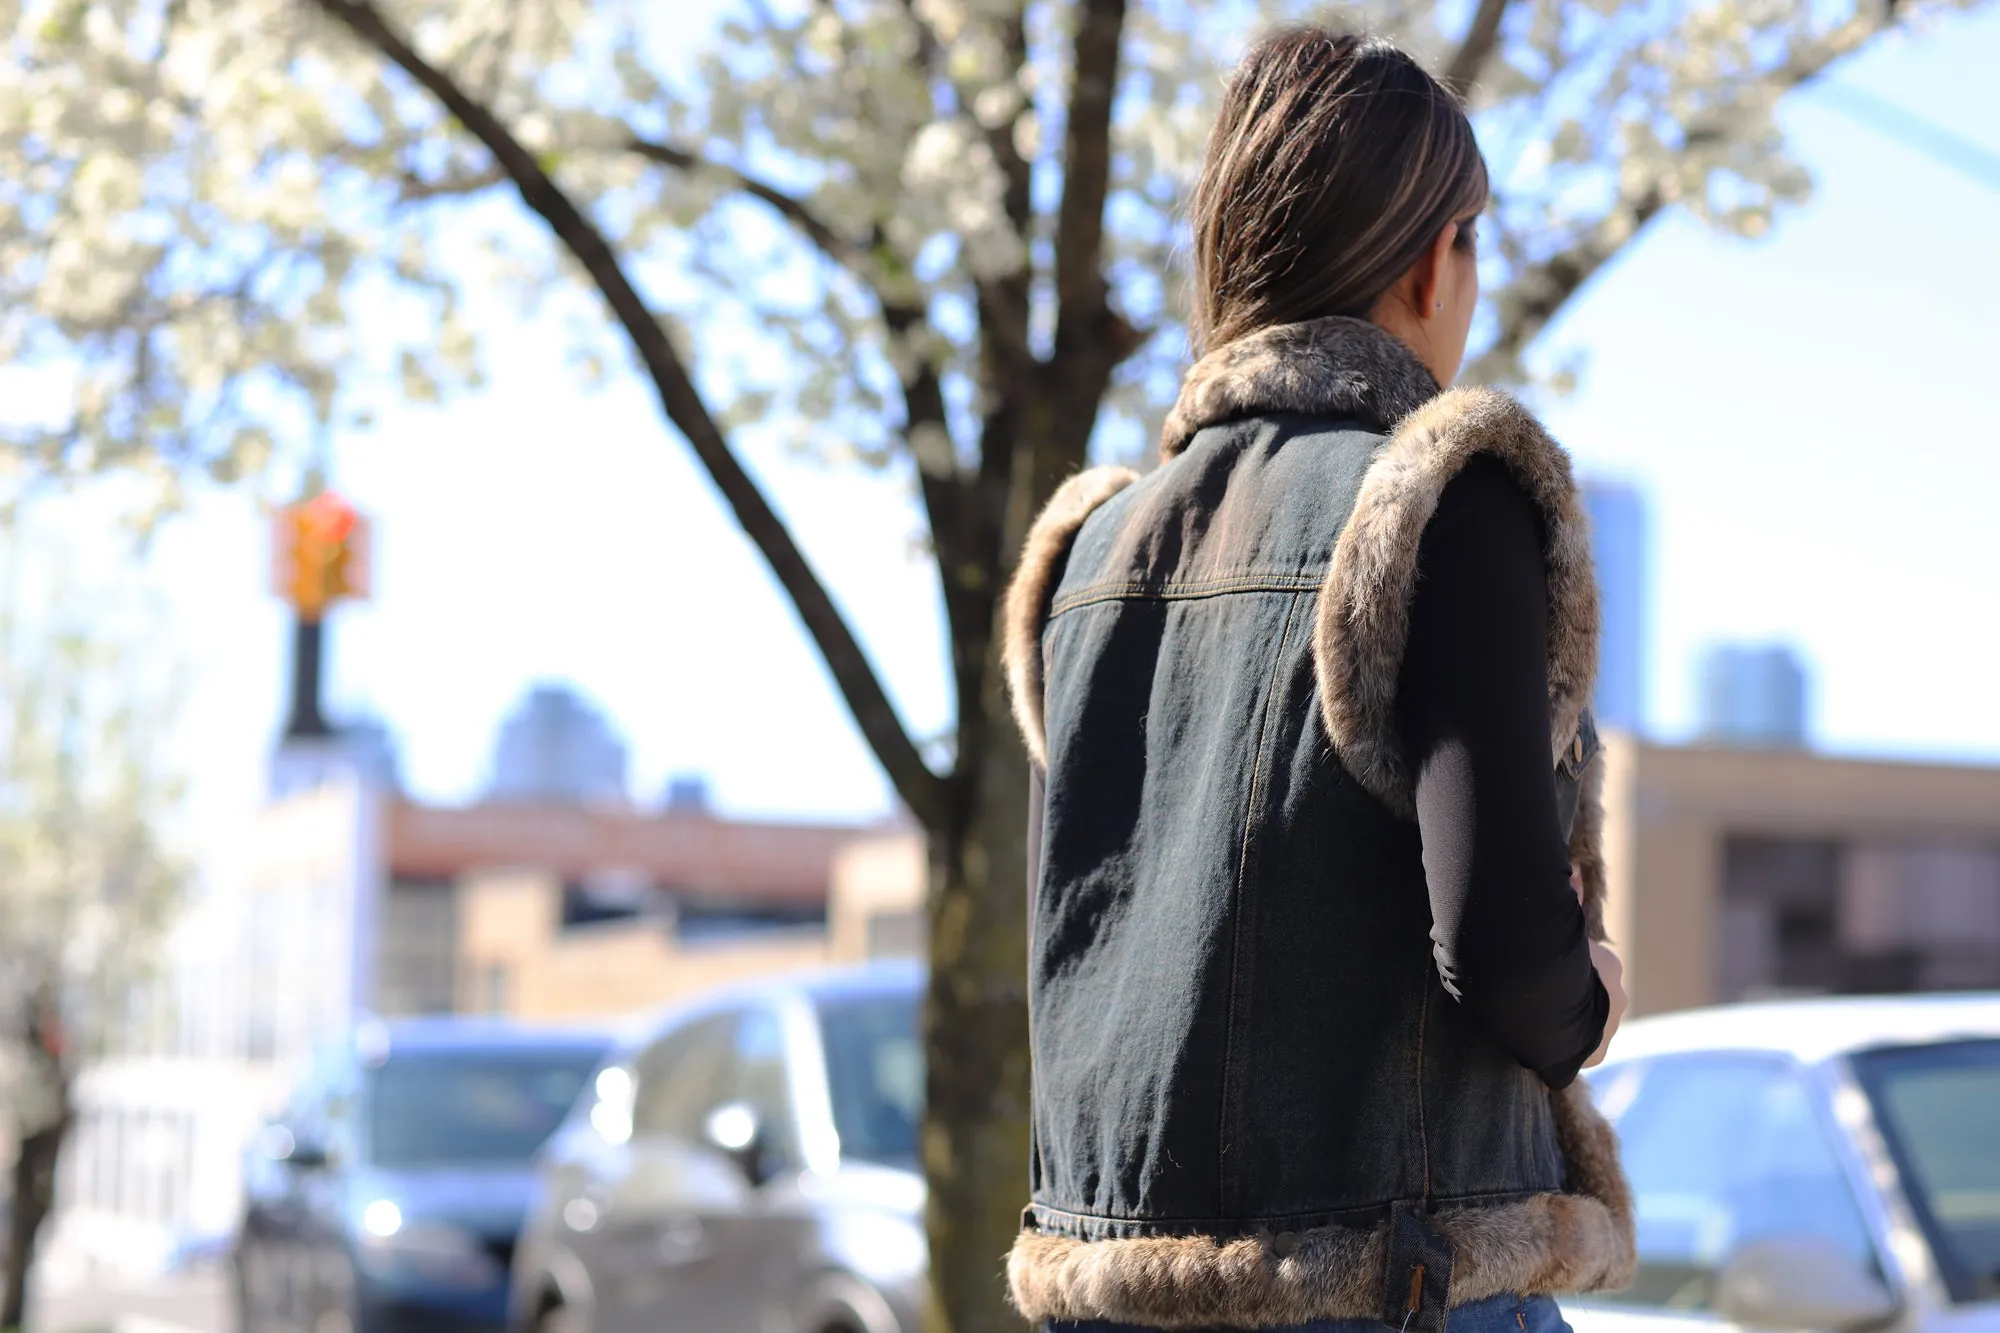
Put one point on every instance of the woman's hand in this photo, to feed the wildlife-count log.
(1611, 971)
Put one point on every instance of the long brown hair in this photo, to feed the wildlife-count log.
(1334, 163)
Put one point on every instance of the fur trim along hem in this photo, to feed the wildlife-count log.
(1364, 605)
(1043, 556)
(1547, 1245)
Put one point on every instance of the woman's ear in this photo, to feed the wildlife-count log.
(1432, 272)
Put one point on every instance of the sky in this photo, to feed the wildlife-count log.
(1810, 417)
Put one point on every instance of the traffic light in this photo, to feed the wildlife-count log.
(322, 554)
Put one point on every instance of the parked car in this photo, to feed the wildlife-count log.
(746, 1166)
(1819, 1164)
(391, 1190)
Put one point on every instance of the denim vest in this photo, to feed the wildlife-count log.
(1254, 1101)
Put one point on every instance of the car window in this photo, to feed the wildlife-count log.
(1938, 1107)
(757, 1076)
(1722, 1150)
(679, 1077)
(429, 1109)
(875, 1076)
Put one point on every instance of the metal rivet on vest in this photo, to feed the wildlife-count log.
(1576, 748)
(1285, 1244)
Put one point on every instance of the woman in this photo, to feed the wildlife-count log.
(1310, 980)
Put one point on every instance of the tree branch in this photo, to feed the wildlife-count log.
(967, 513)
(962, 564)
(1004, 302)
(1462, 74)
(793, 209)
(1544, 288)
(415, 189)
(920, 788)
(1000, 138)
(1537, 293)
(1081, 291)
(960, 540)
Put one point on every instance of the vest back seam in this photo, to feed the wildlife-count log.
(1241, 939)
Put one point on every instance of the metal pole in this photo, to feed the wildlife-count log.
(308, 652)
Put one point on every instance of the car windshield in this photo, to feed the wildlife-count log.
(1938, 1106)
(463, 1108)
(875, 1075)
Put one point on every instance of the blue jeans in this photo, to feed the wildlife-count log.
(1495, 1314)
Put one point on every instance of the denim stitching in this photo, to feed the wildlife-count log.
(1240, 938)
(1423, 1130)
(1064, 1221)
(1297, 576)
(1183, 591)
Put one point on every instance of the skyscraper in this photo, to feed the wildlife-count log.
(1618, 544)
(687, 793)
(1753, 696)
(556, 747)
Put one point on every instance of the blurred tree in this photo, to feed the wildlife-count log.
(930, 235)
(86, 886)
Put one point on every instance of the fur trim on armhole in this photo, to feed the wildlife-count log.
(1364, 605)
(1043, 556)
(1586, 847)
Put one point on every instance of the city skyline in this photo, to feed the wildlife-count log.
(557, 745)
(1754, 694)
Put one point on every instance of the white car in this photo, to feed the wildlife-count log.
(1810, 1164)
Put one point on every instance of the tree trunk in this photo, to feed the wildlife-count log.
(34, 1198)
(975, 1143)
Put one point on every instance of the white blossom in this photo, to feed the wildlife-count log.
(191, 191)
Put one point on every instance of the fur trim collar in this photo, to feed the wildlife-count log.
(1364, 605)
(1578, 1241)
(1332, 367)
(1026, 615)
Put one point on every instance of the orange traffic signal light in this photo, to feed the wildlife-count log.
(322, 554)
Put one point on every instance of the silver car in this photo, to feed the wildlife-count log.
(1815, 1164)
(745, 1166)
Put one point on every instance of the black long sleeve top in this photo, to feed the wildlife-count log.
(1507, 931)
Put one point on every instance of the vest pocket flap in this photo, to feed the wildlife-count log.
(1575, 759)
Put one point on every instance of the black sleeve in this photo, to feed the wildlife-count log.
(1474, 713)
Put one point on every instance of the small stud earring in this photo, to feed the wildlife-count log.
(1440, 305)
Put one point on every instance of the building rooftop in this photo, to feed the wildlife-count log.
(691, 852)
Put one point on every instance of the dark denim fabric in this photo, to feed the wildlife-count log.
(1238, 1027)
(1497, 1314)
